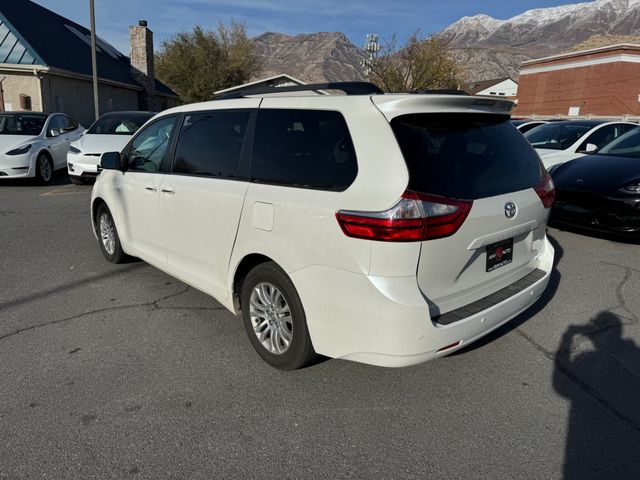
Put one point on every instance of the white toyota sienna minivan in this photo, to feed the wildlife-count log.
(385, 229)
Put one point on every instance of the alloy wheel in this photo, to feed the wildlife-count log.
(271, 318)
(107, 233)
(44, 167)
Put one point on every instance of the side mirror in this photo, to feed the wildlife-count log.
(111, 161)
(590, 148)
(54, 132)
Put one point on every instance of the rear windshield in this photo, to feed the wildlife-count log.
(466, 156)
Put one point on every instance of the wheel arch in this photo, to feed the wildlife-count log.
(248, 262)
(46, 153)
(94, 212)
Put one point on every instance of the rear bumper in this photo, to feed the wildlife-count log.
(81, 165)
(385, 321)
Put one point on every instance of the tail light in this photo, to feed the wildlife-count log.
(416, 217)
(546, 190)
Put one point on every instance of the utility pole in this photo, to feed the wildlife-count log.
(94, 62)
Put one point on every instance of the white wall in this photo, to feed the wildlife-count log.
(507, 88)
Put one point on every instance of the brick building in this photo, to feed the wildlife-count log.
(600, 81)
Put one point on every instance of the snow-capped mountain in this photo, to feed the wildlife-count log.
(545, 31)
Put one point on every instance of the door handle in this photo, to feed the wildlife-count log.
(151, 188)
(167, 189)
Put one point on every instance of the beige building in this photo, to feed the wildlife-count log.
(45, 65)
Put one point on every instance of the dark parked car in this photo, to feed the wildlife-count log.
(601, 192)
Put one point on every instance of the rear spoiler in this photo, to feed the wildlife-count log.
(392, 106)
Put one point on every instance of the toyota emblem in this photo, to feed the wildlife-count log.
(510, 210)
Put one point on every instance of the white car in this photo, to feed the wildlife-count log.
(525, 125)
(35, 144)
(110, 133)
(559, 142)
(385, 229)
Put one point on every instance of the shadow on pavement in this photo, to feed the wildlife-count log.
(58, 179)
(600, 446)
(66, 287)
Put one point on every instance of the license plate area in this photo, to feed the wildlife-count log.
(499, 254)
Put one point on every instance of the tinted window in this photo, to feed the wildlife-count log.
(125, 124)
(149, 148)
(57, 123)
(556, 136)
(466, 156)
(21, 124)
(605, 135)
(68, 123)
(303, 148)
(210, 144)
(627, 145)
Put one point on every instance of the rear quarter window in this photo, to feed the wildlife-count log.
(303, 148)
(466, 156)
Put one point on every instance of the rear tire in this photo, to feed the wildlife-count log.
(108, 236)
(274, 318)
(44, 169)
(76, 180)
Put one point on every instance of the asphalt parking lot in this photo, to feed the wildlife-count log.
(123, 372)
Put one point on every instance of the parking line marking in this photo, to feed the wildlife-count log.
(62, 191)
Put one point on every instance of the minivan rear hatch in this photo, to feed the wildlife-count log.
(482, 160)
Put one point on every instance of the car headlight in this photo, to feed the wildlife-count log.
(73, 149)
(633, 188)
(20, 150)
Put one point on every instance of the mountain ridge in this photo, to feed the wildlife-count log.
(486, 47)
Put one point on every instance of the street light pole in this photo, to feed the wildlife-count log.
(94, 63)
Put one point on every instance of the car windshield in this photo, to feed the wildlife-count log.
(125, 124)
(627, 145)
(556, 136)
(21, 124)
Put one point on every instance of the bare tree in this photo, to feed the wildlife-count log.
(421, 64)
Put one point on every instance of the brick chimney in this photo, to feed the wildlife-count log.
(142, 66)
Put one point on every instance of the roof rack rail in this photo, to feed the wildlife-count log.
(445, 91)
(350, 88)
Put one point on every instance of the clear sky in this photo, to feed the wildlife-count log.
(355, 18)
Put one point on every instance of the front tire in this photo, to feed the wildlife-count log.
(108, 236)
(44, 169)
(274, 318)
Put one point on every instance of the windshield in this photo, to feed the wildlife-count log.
(556, 136)
(119, 125)
(627, 145)
(21, 124)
